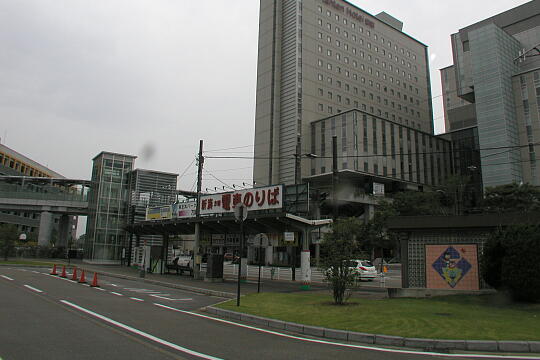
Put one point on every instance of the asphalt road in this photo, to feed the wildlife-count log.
(46, 317)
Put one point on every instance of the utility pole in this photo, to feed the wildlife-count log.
(334, 178)
(196, 255)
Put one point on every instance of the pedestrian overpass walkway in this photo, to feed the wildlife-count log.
(47, 196)
(38, 198)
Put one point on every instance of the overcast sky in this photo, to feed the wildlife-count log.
(152, 77)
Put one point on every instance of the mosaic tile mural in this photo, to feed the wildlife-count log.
(452, 266)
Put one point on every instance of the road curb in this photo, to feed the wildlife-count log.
(378, 339)
(27, 265)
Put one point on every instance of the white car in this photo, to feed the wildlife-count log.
(364, 269)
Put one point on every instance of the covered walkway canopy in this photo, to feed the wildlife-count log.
(268, 222)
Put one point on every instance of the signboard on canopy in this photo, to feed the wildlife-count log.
(184, 209)
(263, 198)
(159, 212)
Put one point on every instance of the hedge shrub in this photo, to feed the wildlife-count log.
(511, 261)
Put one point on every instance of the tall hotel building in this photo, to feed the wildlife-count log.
(326, 67)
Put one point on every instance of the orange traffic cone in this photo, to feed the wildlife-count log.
(63, 272)
(53, 272)
(74, 277)
(94, 282)
(82, 279)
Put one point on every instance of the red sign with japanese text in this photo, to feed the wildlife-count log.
(263, 198)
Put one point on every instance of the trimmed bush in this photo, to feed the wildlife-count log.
(511, 262)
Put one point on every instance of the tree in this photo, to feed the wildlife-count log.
(409, 203)
(512, 197)
(457, 193)
(8, 236)
(373, 233)
(510, 261)
(338, 247)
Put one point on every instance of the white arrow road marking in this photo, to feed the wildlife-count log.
(140, 333)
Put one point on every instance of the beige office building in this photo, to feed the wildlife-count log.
(319, 58)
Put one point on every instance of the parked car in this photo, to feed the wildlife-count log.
(231, 257)
(364, 269)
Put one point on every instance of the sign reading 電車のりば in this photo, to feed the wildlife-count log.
(263, 198)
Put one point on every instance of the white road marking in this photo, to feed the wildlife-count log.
(115, 293)
(6, 277)
(140, 333)
(33, 288)
(98, 288)
(113, 285)
(476, 356)
(166, 298)
(136, 299)
(36, 272)
(145, 291)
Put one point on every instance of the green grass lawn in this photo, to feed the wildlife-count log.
(487, 317)
(26, 262)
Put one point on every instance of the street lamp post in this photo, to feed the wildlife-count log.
(334, 178)
(305, 254)
(240, 213)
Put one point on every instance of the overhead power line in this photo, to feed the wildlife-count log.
(377, 155)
